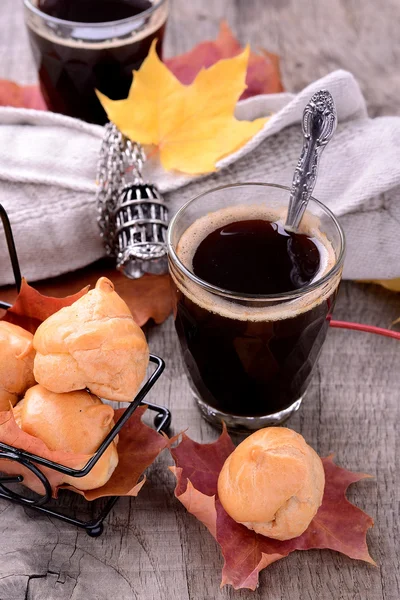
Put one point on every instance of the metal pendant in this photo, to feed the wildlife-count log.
(141, 221)
(133, 217)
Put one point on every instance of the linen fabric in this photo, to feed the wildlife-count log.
(48, 171)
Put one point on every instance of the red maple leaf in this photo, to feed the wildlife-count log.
(21, 96)
(148, 298)
(263, 74)
(31, 308)
(138, 447)
(338, 524)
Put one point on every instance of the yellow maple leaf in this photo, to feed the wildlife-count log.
(193, 126)
(390, 284)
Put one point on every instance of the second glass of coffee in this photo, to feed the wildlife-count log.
(252, 301)
(83, 45)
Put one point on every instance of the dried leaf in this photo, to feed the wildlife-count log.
(21, 96)
(31, 308)
(148, 297)
(263, 74)
(338, 524)
(191, 126)
(390, 284)
(138, 447)
(201, 463)
(200, 505)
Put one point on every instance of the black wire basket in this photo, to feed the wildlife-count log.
(162, 420)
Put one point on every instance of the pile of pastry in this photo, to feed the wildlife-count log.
(54, 379)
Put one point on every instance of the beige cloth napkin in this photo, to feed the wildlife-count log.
(48, 166)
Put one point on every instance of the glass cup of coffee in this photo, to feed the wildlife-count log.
(252, 302)
(83, 45)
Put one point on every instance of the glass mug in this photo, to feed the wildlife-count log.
(74, 58)
(250, 357)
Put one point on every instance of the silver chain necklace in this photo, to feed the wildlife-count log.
(132, 215)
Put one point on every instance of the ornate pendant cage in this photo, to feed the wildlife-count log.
(132, 215)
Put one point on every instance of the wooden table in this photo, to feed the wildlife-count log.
(151, 547)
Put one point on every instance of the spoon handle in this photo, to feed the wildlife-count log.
(319, 124)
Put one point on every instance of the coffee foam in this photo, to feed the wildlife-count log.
(155, 22)
(225, 307)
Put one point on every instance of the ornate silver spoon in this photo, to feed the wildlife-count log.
(319, 124)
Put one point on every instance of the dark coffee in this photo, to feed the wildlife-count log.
(247, 363)
(72, 66)
(256, 257)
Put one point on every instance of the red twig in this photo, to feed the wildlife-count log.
(366, 328)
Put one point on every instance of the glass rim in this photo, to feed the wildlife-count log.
(30, 6)
(302, 291)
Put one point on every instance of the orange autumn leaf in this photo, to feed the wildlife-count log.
(31, 308)
(263, 73)
(138, 447)
(390, 284)
(150, 297)
(192, 126)
(338, 524)
(21, 96)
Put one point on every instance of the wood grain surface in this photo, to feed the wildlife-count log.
(151, 548)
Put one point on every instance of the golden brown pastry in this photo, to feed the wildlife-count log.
(16, 363)
(273, 483)
(93, 343)
(74, 422)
